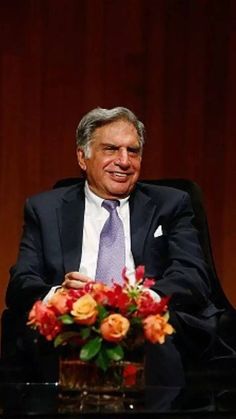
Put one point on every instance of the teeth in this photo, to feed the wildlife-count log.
(120, 174)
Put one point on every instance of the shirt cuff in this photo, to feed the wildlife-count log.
(49, 295)
(156, 297)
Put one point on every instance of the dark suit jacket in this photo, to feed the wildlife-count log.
(51, 246)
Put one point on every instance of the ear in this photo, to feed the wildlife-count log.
(81, 159)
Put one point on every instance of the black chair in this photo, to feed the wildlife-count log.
(227, 318)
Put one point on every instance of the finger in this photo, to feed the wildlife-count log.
(72, 275)
(71, 283)
(77, 276)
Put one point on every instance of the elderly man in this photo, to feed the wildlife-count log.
(63, 234)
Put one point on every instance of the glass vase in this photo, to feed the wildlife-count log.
(87, 385)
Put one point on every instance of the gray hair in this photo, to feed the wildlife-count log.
(99, 117)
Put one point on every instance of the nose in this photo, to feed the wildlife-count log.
(123, 158)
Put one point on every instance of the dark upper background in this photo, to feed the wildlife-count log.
(173, 62)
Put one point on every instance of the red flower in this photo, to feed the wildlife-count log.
(148, 282)
(99, 316)
(130, 375)
(139, 272)
(146, 305)
(73, 296)
(44, 318)
(99, 293)
(124, 277)
(162, 306)
(117, 298)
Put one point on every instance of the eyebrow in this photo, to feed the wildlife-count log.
(134, 147)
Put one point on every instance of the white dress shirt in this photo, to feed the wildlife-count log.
(94, 218)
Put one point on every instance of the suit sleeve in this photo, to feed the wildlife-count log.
(185, 276)
(185, 279)
(28, 277)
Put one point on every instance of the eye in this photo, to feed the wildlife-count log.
(134, 151)
(110, 149)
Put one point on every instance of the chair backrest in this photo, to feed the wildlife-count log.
(200, 222)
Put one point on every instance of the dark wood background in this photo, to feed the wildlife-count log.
(173, 62)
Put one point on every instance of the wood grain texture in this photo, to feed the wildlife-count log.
(173, 62)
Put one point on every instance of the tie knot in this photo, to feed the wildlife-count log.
(110, 205)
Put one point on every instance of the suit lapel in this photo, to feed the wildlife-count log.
(71, 219)
(142, 212)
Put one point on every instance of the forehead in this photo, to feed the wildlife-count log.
(120, 131)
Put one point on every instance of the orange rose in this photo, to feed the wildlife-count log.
(85, 310)
(114, 327)
(59, 301)
(156, 328)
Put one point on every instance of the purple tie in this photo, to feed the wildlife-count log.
(111, 254)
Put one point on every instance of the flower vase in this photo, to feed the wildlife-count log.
(87, 385)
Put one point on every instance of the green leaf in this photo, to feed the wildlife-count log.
(66, 319)
(64, 337)
(102, 360)
(90, 349)
(102, 312)
(136, 321)
(85, 332)
(116, 353)
(132, 308)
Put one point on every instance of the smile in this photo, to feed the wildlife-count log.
(119, 175)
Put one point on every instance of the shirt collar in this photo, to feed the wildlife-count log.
(97, 200)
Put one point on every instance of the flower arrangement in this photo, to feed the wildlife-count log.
(103, 322)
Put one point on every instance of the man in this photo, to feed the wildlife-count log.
(60, 242)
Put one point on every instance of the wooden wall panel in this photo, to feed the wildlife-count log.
(172, 61)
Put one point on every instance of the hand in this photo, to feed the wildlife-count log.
(75, 280)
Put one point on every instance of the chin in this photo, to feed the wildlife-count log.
(120, 192)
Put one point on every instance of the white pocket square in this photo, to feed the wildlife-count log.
(158, 231)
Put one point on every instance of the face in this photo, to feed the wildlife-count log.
(115, 158)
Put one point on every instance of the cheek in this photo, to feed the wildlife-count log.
(107, 163)
(136, 165)
(96, 168)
